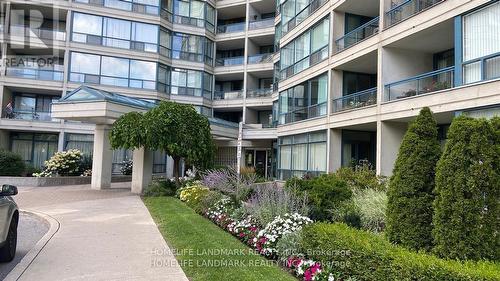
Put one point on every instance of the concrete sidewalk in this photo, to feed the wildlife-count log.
(102, 235)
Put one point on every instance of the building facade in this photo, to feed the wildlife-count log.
(290, 87)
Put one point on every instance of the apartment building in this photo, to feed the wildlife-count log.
(354, 73)
(216, 56)
(290, 88)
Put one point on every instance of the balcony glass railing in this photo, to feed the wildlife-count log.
(114, 42)
(228, 95)
(481, 69)
(301, 16)
(305, 113)
(112, 81)
(188, 91)
(305, 63)
(35, 73)
(259, 93)
(260, 58)
(230, 61)
(426, 83)
(41, 33)
(357, 35)
(193, 22)
(259, 24)
(356, 100)
(30, 115)
(124, 5)
(407, 9)
(230, 28)
(181, 55)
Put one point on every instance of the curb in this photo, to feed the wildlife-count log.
(26, 261)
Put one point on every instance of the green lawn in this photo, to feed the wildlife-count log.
(205, 251)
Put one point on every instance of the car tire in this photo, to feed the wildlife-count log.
(8, 251)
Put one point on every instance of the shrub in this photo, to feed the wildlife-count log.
(227, 181)
(127, 167)
(289, 246)
(409, 208)
(266, 239)
(324, 193)
(371, 205)
(366, 256)
(467, 211)
(161, 187)
(64, 163)
(193, 195)
(362, 176)
(219, 212)
(245, 229)
(11, 164)
(29, 170)
(210, 199)
(270, 201)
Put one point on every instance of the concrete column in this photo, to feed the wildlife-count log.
(389, 137)
(4, 140)
(102, 158)
(61, 140)
(335, 150)
(142, 170)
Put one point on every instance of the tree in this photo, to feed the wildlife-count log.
(410, 192)
(466, 208)
(175, 128)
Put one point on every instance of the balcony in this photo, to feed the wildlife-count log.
(228, 95)
(305, 113)
(35, 73)
(194, 57)
(260, 58)
(261, 24)
(422, 84)
(124, 5)
(259, 93)
(231, 61)
(231, 28)
(197, 22)
(357, 35)
(302, 15)
(407, 9)
(114, 42)
(305, 63)
(40, 33)
(356, 100)
(30, 115)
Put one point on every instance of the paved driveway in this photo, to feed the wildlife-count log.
(102, 235)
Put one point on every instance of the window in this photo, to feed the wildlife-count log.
(192, 48)
(34, 149)
(481, 39)
(301, 154)
(191, 82)
(87, 68)
(115, 33)
(304, 101)
(306, 50)
(84, 143)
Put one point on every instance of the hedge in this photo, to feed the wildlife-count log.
(11, 164)
(367, 256)
(410, 197)
(466, 209)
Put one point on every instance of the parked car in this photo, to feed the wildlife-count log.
(9, 217)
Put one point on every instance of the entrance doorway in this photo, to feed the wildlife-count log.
(260, 160)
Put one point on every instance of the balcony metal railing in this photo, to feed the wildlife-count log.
(41, 33)
(231, 61)
(260, 58)
(425, 83)
(302, 15)
(355, 100)
(228, 95)
(357, 35)
(305, 63)
(30, 115)
(124, 5)
(114, 42)
(481, 69)
(260, 24)
(305, 113)
(35, 73)
(407, 9)
(230, 28)
(259, 93)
